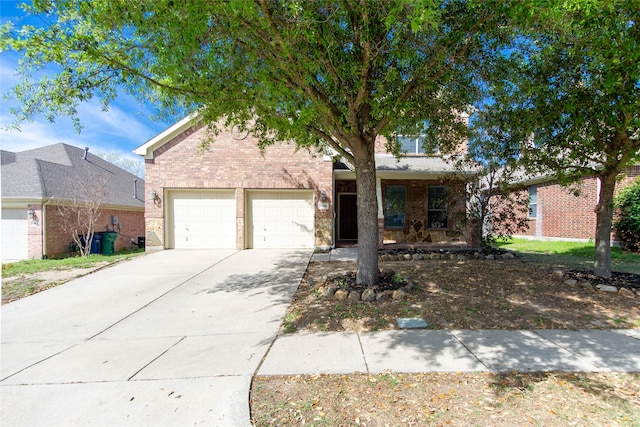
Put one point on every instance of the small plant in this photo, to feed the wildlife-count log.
(341, 283)
(289, 324)
(397, 278)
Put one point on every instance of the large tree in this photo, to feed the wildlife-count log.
(321, 73)
(570, 85)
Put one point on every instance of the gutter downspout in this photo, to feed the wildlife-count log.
(44, 229)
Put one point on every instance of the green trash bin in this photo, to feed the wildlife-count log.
(109, 242)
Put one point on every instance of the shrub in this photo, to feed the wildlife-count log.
(627, 224)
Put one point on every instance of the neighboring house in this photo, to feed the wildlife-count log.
(36, 183)
(233, 196)
(566, 212)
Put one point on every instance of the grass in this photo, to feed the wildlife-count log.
(571, 254)
(38, 265)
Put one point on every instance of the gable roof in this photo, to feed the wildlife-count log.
(54, 171)
(146, 150)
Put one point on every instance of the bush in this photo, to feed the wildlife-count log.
(627, 224)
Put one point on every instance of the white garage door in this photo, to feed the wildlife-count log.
(202, 219)
(281, 219)
(14, 234)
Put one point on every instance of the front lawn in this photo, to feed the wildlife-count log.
(570, 254)
(23, 278)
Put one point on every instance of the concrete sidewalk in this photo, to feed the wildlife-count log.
(454, 351)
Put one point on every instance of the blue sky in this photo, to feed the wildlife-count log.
(126, 125)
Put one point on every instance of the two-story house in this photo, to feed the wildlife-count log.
(233, 196)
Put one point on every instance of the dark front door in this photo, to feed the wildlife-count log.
(347, 217)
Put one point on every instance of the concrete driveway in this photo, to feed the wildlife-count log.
(170, 338)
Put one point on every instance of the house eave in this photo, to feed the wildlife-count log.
(146, 150)
(19, 202)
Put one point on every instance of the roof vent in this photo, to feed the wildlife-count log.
(86, 151)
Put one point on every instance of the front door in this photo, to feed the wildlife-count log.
(347, 217)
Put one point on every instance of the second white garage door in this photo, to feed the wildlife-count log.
(202, 219)
(281, 219)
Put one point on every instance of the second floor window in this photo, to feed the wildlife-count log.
(415, 144)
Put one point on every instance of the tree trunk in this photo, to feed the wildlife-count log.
(367, 273)
(604, 219)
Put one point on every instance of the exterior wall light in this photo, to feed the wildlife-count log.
(155, 198)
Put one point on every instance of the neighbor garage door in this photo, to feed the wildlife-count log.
(201, 219)
(281, 219)
(14, 234)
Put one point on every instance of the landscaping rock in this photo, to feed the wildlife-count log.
(490, 257)
(606, 288)
(434, 256)
(398, 294)
(406, 257)
(409, 286)
(330, 291)
(627, 293)
(417, 257)
(383, 296)
(341, 295)
(355, 296)
(387, 273)
(586, 285)
(570, 282)
(508, 255)
(369, 295)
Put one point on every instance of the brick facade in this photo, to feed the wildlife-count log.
(416, 229)
(565, 213)
(234, 161)
(130, 226)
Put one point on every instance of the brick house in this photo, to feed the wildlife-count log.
(232, 195)
(563, 213)
(37, 183)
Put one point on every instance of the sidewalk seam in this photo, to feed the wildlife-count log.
(450, 332)
(156, 358)
(159, 296)
(364, 357)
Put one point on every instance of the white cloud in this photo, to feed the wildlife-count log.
(122, 128)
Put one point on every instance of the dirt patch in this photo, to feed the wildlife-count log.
(442, 399)
(468, 294)
(457, 294)
(20, 286)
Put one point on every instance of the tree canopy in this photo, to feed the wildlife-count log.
(323, 74)
(563, 77)
(567, 88)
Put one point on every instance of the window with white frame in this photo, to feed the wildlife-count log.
(415, 144)
(437, 204)
(533, 201)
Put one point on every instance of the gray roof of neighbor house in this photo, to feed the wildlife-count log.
(57, 171)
